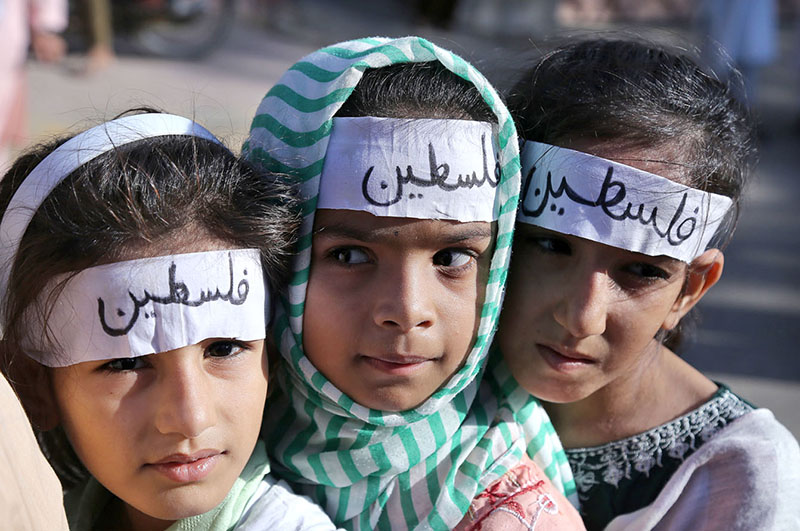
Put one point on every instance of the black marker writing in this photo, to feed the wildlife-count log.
(178, 294)
(612, 193)
(438, 176)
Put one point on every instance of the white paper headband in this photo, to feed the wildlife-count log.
(411, 168)
(590, 197)
(70, 156)
(140, 307)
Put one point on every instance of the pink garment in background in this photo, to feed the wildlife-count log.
(17, 19)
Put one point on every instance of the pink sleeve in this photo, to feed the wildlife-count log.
(48, 15)
(30, 493)
(523, 499)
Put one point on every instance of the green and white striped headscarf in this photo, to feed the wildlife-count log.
(416, 469)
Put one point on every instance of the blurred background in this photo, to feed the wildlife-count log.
(71, 65)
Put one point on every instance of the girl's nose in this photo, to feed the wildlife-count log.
(404, 300)
(583, 307)
(186, 401)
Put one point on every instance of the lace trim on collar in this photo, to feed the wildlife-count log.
(640, 453)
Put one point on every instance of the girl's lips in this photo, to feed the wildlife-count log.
(563, 362)
(182, 468)
(396, 365)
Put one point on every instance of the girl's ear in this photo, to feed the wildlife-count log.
(704, 272)
(32, 383)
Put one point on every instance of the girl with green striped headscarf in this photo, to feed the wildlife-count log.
(383, 414)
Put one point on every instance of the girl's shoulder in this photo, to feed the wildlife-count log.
(625, 475)
(745, 477)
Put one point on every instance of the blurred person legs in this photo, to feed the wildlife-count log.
(578, 12)
(574, 12)
(740, 34)
(653, 10)
(101, 34)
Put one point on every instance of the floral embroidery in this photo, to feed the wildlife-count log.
(521, 500)
(641, 453)
(544, 503)
(501, 500)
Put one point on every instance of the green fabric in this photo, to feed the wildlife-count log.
(85, 505)
(376, 469)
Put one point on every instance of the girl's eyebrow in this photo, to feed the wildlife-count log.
(472, 232)
(339, 230)
(449, 236)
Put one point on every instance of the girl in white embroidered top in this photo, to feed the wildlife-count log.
(633, 166)
(136, 265)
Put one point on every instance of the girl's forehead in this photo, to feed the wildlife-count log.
(410, 168)
(666, 160)
(368, 228)
(122, 309)
(627, 196)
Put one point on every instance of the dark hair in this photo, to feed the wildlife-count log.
(133, 195)
(636, 95)
(416, 90)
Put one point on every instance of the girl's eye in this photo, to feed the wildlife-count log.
(124, 364)
(548, 244)
(453, 258)
(350, 255)
(224, 349)
(647, 271)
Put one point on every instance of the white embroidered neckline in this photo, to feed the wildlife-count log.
(640, 453)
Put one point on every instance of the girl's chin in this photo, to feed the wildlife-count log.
(562, 398)
(552, 396)
(557, 391)
(173, 506)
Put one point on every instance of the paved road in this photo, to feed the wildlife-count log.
(750, 321)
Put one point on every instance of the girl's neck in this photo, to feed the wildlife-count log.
(658, 392)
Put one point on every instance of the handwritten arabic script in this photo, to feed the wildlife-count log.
(178, 294)
(611, 200)
(389, 191)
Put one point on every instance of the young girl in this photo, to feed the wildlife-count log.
(407, 162)
(137, 261)
(633, 166)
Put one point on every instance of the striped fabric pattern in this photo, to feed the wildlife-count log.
(416, 469)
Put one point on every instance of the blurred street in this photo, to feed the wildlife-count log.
(750, 322)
